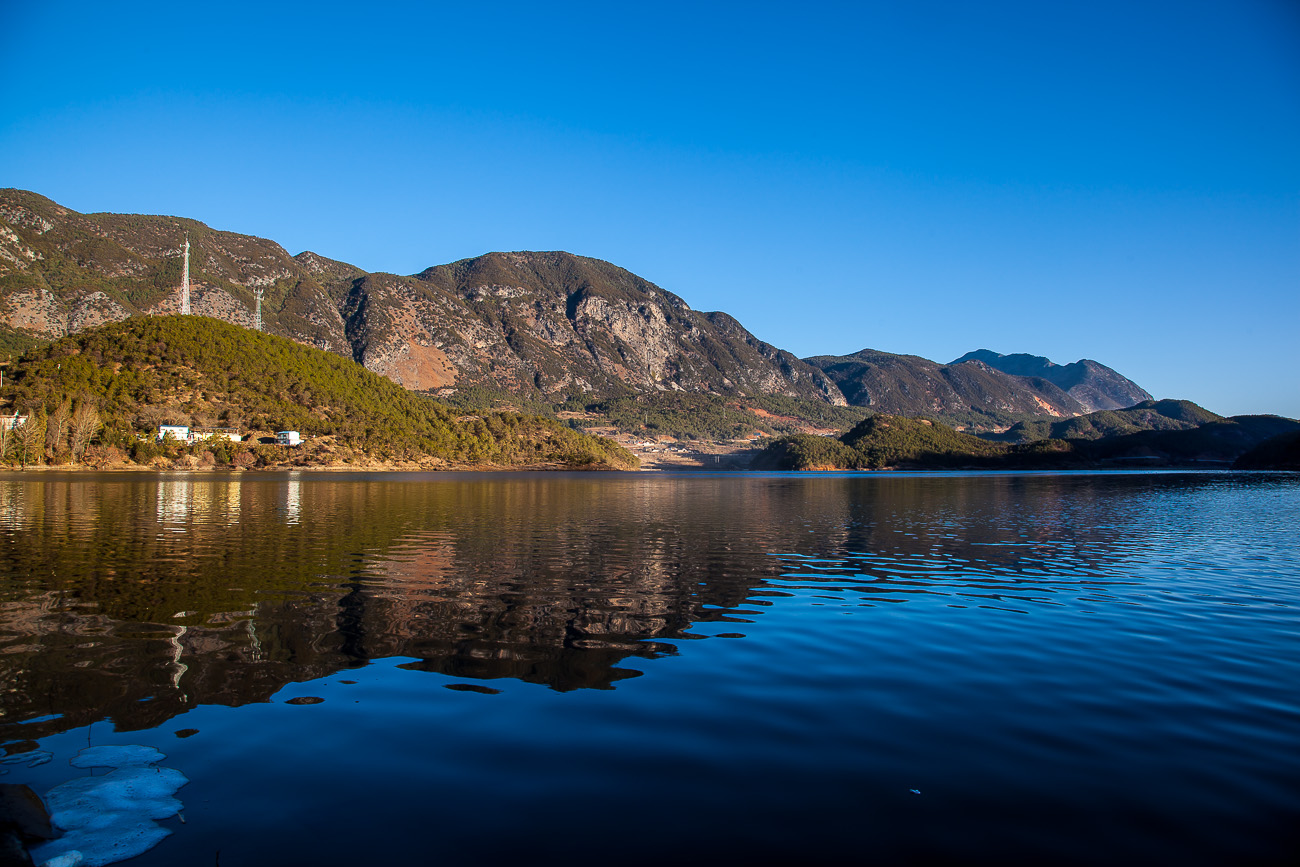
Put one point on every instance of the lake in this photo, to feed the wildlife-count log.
(651, 668)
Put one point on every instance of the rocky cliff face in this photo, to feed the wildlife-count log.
(1094, 385)
(550, 325)
(569, 325)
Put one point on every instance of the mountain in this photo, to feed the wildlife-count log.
(62, 272)
(972, 394)
(551, 325)
(1145, 416)
(561, 326)
(1094, 385)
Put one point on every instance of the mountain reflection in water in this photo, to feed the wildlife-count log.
(142, 598)
(217, 591)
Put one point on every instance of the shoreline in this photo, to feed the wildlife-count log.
(411, 467)
(126, 470)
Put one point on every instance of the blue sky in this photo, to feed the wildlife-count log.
(1111, 180)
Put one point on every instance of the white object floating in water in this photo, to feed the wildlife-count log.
(111, 818)
(129, 756)
(31, 760)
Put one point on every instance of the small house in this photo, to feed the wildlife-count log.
(288, 438)
(12, 422)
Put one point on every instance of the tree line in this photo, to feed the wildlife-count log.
(57, 437)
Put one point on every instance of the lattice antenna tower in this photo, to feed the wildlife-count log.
(185, 279)
(257, 317)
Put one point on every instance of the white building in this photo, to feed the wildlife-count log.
(9, 422)
(180, 431)
(183, 434)
(288, 438)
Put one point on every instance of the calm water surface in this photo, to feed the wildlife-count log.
(653, 668)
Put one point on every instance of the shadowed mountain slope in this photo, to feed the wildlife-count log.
(1094, 385)
(974, 393)
(883, 441)
(1281, 452)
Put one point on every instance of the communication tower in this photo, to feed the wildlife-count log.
(185, 279)
(257, 317)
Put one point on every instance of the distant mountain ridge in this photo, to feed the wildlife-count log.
(1094, 385)
(908, 385)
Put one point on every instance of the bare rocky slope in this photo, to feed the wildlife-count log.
(562, 326)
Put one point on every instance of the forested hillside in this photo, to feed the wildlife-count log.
(1281, 452)
(888, 441)
(1148, 415)
(206, 373)
(882, 441)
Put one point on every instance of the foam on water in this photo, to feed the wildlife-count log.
(30, 760)
(111, 818)
(126, 756)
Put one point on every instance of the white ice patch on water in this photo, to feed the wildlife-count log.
(111, 818)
